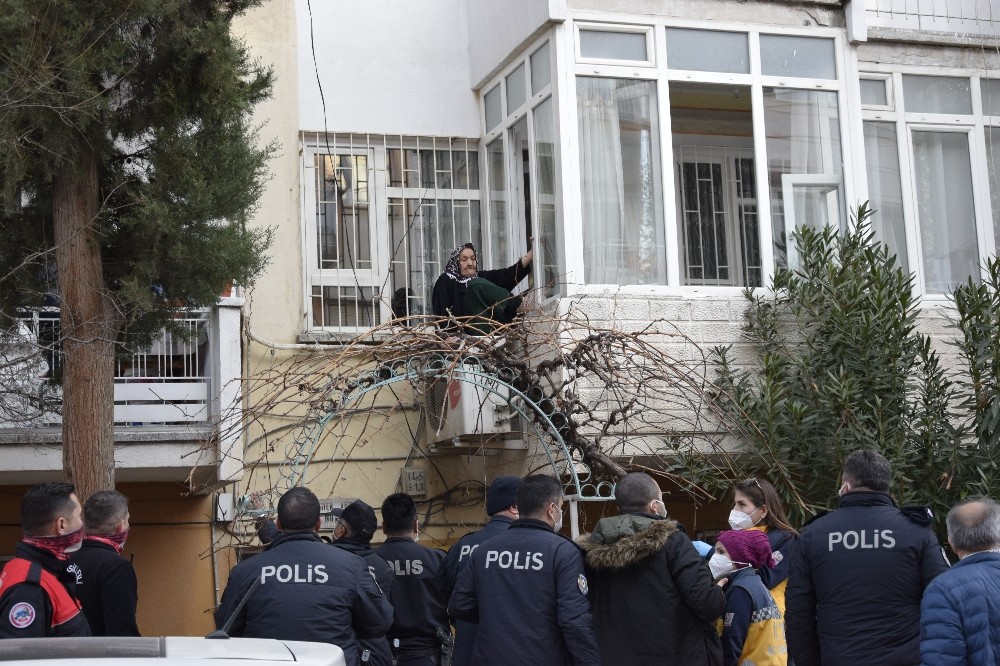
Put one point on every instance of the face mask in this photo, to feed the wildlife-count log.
(663, 512)
(844, 489)
(720, 565)
(558, 522)
(741, 521)
(116, 541)
(60, 545)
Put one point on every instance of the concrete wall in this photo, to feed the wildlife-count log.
(790, 13)
(410, 75)
(499, 28)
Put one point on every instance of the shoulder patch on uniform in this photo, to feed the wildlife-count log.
(727, 619)
(581, 582)
(22, 615)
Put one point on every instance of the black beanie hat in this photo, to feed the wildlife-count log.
(502, 493)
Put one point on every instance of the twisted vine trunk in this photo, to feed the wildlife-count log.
(89, 325)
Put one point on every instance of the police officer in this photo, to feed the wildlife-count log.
(501, 507)
(527, 589)
(307, 590)
(420, 608)
(356, 525)
(36, 590)
(857, 579)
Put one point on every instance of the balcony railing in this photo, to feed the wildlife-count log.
(167, 384)
(965, 17)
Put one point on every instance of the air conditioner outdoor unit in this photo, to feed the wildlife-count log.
(465, 414)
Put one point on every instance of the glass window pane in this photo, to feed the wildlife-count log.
(613, 45)
(991, 96)
(343, 233)
(346, 307)
(549, 236)
(993, 173)
(873, 92)
(885, 188)
(806, 57)
(541, 75)
(515, 89)
(473, 170)
(717, 192)
(708, 50)
(443, 168)
(623, 231)
(945, 209)
(936, 94)
(494, 112)
(803, 138)
(498, 200)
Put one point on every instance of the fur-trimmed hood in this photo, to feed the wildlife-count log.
(618, 542)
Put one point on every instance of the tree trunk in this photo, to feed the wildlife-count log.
(88, 332)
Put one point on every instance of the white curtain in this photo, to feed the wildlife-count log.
(623, 230)
(602, 181)
(945, 208)
(885, 192)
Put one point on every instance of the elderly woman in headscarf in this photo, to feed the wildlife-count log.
(465, 291)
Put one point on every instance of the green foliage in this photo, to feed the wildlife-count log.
(162, 93)
(978, 305)
(841, 367)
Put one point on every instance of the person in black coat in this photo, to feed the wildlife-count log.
(527, 589)
(307, 591)
(356, 525)
(501, 507)
(651, 592)
(420, 608)
(859, 574)
(105, 581)
(490, 299)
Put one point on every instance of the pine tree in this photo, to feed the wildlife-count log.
(128, 169)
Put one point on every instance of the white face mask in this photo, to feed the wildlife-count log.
(720, 565)
(844, 489)
(558, 521)
(741, 521)
(662, 511)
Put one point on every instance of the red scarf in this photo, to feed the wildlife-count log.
(116, 541)
(60, 545)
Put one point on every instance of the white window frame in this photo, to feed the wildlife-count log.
(315, 276)
(847, 104)
(380, 193)
(908, 122)
(646, 30)
(517, 241)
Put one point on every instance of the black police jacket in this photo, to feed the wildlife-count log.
(527, 590)
(419, 606)
(308, 591)
(378, 652)
(454, 563)
(37, 597)
(107, 588)
(856, 582)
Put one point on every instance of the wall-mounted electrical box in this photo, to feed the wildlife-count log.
(414, 481)
(326, 507)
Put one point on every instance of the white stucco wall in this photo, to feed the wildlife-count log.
(386, 67)
(498, 28)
